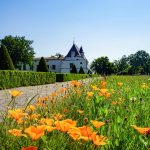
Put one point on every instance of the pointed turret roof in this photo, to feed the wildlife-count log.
(75, 49)
(81, 50)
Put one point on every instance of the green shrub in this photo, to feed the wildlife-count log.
(62, 77)
(5, 60)
(42, 67)
(10, 79)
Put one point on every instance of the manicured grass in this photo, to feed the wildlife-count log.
(117, 104)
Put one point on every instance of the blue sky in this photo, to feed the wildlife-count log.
(103, 27)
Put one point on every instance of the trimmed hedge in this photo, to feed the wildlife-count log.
(10, 79)
(62, 77)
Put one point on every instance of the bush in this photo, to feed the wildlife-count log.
(5, 60)
(81, 71)
(10, 79)
(42, 67)
(62, 77)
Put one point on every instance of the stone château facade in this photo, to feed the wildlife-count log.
(64, 64)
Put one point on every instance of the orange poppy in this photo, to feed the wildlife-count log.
(16, 132)
(103, 84)
(30, 148)
(65, 125)
(99, 140)
(47, 121)
(16, 114)
(142, 130)
(35, 132)
(97, 124)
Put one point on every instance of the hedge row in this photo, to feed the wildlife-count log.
(62, 77)
(10, 79)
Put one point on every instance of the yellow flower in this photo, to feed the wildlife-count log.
(120, 84)
(16, 132)
(142, 130)
(95, 88)
(90, 94)
(97, 124)
(80, 111)
(15, 93)
(31, 108)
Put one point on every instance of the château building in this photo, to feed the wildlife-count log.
(61, 64)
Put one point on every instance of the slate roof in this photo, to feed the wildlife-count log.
(75, 49)
(50, 58)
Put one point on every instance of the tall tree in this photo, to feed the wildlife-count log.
(5, 60)
(42, 67)
(103, 66)
(122, 65)
(20, 49)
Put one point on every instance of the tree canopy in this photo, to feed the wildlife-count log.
(20, 49)
(5, 60)
(102, 66)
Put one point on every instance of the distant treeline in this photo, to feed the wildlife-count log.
(138, 63)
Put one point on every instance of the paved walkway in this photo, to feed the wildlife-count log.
(30, 91)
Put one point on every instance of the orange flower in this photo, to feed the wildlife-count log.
(47, 121)
(142, 130)
(30, 148)
(53, 94)
(75, 83)
(16, 114)
(35, 132)
(90, 94)
(85, 133)
(33, 116)
(65, 125)
(103, 91)
(49, 128)
(75, 133)
(103, 84)
(97, 124)
(15, 93)
(16, 132)
(99, 140)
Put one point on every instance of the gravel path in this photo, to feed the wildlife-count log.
(30, 91)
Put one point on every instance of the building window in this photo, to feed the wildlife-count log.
(48, 66)
(80, 62)
(53, 67)
(71, 65)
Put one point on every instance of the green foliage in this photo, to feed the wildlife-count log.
(62, 77)
(103, 66)
(20, 50)
(138, 63)
(73, 69)
(42, 67)
(81, 71)
(10, 79)
(5, 60)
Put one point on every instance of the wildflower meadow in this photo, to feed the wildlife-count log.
(111, 113)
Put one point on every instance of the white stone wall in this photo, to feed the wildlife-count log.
(78, 62)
